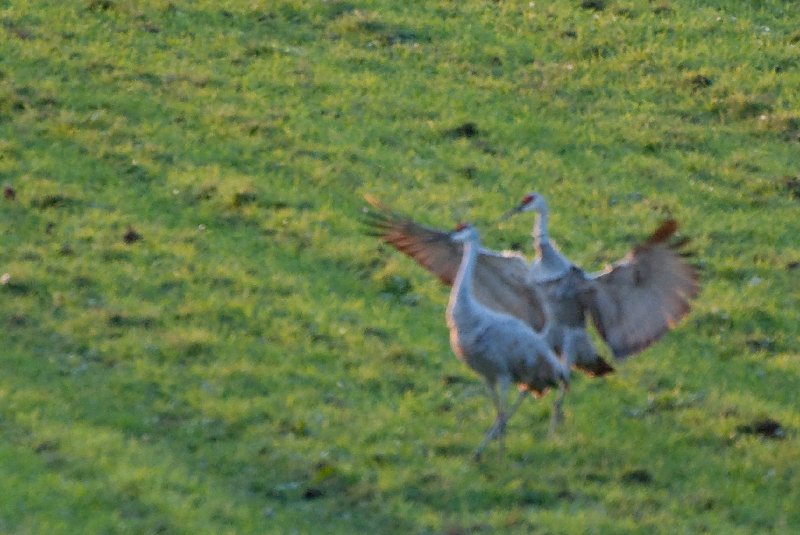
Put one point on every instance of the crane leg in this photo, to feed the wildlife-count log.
(567, 358)
(494, 430)
(499, 426)
(557, 415)
(502, 415)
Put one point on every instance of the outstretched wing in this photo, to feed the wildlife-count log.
(500, 278)
(501, 284)
(430, 247)
(643, 295)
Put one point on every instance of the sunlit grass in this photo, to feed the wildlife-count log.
(198, 337)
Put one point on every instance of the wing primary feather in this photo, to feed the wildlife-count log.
(664, 231)
(644, 295)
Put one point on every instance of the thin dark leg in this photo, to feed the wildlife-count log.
(498, 427)
(498, 422)
(557, 415)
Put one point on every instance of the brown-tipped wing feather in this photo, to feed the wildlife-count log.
(430, 247)
(499, 281)
(643, 295)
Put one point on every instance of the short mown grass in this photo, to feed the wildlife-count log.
(199, 338)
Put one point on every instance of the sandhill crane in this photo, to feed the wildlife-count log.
(500, 347)
(632, 303)
(501, 281)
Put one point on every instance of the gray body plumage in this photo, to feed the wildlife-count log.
(499, 347)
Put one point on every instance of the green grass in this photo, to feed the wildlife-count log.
(256, 364)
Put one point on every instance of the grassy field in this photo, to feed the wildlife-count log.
(198, 338)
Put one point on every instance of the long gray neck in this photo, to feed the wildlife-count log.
(549, 263)
(540, 236)
(461, 295)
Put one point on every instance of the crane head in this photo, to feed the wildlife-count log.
(532, 202)
(463, 232)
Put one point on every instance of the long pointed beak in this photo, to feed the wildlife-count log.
(514, 211)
